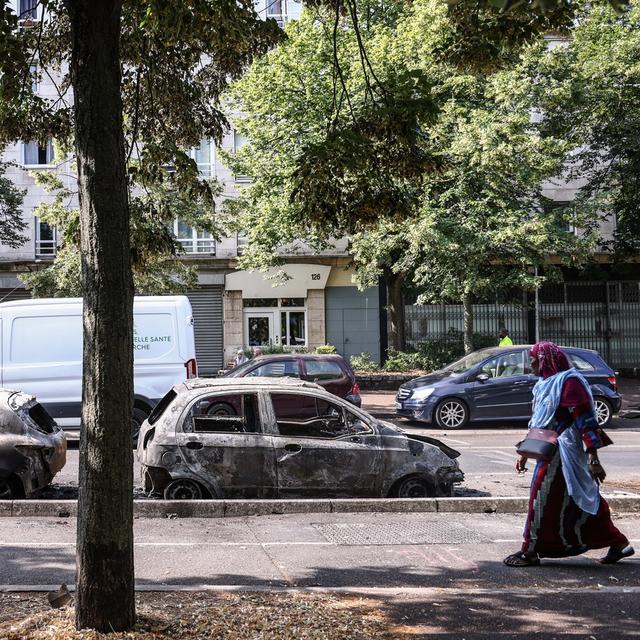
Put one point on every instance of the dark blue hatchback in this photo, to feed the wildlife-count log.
(496, 384)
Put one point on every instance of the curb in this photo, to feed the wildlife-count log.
(244, 508)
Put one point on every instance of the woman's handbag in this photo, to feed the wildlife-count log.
(540, 444)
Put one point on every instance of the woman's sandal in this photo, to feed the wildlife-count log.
(614, 555)
(522, 559)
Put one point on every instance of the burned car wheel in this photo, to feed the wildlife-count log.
(183, 490)
(137, 418)
(413, 487)
(10, 489)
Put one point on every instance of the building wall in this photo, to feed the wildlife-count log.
(233, 324)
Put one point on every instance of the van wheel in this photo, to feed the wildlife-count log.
(183, 490)
(221, 409)
(137, 418)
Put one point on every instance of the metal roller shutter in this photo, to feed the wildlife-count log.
(9, 295)
(206, 302)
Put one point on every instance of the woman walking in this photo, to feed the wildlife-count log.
(567, 516)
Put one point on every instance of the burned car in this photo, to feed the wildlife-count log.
(283, 438)
(33, 448)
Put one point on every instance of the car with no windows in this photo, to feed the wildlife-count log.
(284, 438)
(33, 448)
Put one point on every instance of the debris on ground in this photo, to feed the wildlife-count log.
(204, 614)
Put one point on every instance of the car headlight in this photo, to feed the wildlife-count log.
(422, 394)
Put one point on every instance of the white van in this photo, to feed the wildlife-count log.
(41, 352)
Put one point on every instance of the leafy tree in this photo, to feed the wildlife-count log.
(413, 156)
(589, 91)
(11, 223)
(147, 79)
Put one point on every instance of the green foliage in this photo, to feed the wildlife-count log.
(363, 362)
(177, 60)
(403, 361)
(12, 225)
(325, 348)
(589, 91)
(409, 151)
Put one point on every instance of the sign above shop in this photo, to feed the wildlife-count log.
(289, 281)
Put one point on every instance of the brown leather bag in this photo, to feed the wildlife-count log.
(540, 444)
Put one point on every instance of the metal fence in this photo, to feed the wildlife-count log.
(594, 315)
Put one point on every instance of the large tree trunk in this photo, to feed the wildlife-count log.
(395, 306)
(104, 556)
(468, 323)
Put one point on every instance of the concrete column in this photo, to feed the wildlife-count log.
(233, 324)
(315, 318)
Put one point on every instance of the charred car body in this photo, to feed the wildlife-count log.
(286, 438)
(33, 448)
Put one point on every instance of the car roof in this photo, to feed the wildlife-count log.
(259, 382)
(528, 346)
(291, 356)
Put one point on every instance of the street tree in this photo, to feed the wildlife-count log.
(12, 225)
(589, 91)
(146, 79)
(408, 151)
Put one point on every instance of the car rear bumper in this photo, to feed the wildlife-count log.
(355, 400)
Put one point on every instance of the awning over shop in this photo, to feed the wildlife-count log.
(272, 284)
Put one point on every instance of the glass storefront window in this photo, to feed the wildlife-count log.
(260, 302)
(292, 329)
(292, 302)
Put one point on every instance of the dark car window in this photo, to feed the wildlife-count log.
(504, 366)
(459, 366)
(323, 370)
(580, 363)
(229, 413)
(318, 417)
(277, 369)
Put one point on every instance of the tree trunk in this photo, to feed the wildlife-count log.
(468, 323)
(396, 309)
(104, 555)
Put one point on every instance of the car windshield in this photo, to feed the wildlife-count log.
(232, 373)
(469, 361)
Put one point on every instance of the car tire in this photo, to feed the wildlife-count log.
(452, 413)
(221, 409)
(138, 416)
(183, 489)
(413, 487)
(11, 488)
(604, 411)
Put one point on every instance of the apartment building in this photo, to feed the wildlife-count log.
(318, 303)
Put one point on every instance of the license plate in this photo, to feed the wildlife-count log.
(398, 405)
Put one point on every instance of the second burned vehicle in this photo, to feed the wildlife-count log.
(286, 438)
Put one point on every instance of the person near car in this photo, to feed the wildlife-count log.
(240, 358)
(257, 351)
(567, 515)
(505, 340)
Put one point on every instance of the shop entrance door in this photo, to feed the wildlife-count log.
(259, 328)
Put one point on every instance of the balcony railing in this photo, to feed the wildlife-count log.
(198, 245)
(46, 249)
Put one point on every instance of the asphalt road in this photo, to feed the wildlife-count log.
(434, 573)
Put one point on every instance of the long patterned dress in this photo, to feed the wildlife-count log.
(556, 527)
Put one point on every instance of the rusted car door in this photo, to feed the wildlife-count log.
(328, 452)
(229, 452)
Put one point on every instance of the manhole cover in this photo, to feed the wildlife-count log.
(393, 534)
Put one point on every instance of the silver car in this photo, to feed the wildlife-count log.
(33, 448)
(283, 438)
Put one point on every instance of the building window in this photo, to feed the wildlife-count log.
(205, 157)
(241, 243)
(28, 10)
(46, 240)
(192, 240)
(277, 10)
(270, 321)
(559, 208)
(37, 155)
(238, 142)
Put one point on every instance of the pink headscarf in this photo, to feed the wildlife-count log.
(551, 359)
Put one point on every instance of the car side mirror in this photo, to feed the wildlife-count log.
(482, 377)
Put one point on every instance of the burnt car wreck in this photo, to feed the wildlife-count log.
(32, 446)
(283, 438)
